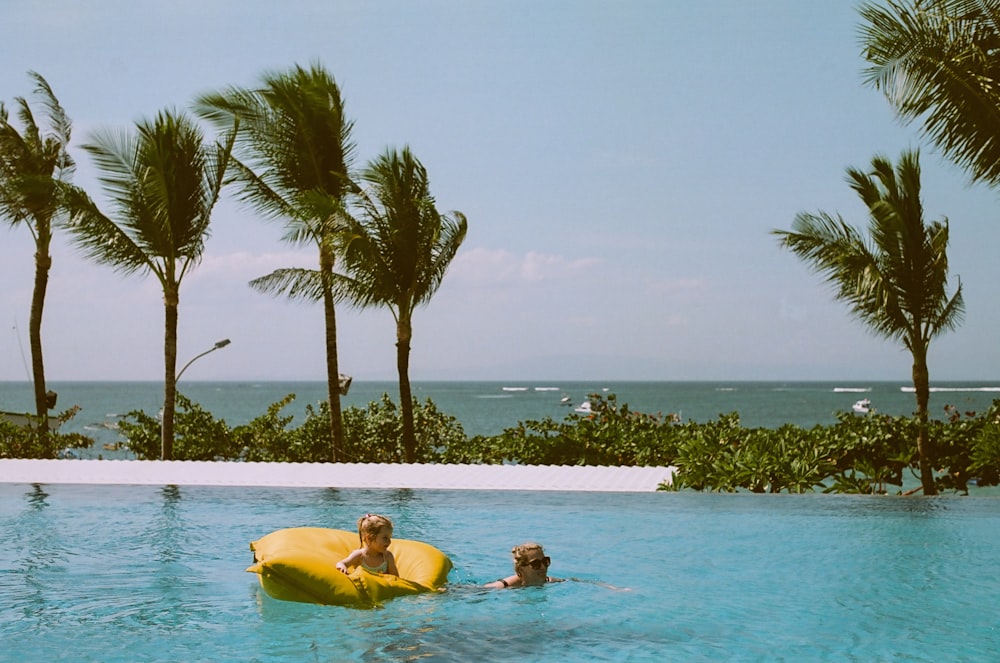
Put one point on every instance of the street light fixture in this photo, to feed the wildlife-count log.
(218, 346)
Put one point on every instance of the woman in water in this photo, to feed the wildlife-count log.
(531, 567)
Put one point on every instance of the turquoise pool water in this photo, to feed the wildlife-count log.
(120, 573)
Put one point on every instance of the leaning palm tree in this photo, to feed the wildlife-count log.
(895, 279)
(34, 166)
(937, 62)
(291, 162)
(163, 181)
(397, 253)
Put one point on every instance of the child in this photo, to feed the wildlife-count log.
(531, 567)
(375, 532)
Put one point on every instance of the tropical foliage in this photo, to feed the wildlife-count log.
(31, 442)
(874, 454)
(895, 281)
(937, 62)
(163, 181)
(291, 159)
(34, 164)
(373, 434)
(397, 253)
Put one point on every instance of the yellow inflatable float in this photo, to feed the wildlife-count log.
(299, 564)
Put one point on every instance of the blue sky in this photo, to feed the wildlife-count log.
(621, 165)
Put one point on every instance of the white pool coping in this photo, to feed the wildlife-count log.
(336, 475)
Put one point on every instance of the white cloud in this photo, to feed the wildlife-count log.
(502, 268)
(242, 266)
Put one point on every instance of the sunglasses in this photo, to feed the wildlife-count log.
(537, 564)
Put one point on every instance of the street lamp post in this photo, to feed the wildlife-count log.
(218, 346)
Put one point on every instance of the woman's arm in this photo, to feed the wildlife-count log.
(503, 583)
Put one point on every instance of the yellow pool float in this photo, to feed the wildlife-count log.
(299, 564)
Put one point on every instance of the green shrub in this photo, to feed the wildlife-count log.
(867, 454)
(21, 442)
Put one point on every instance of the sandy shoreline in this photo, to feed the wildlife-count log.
(335, 475)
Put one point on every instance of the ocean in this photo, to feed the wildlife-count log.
(488, 407)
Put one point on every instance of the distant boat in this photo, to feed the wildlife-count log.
(565, 400)
(864, 406)
(25, 420)
(584, 408)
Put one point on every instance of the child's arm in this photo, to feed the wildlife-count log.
(390, 566)
(344, 565)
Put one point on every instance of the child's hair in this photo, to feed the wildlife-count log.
(521, 552)
(371, 524)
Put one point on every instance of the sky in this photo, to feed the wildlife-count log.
(621, 166)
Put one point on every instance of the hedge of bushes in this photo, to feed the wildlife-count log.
(870, 454)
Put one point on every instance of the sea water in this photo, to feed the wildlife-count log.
(118, 573)
(487, 408)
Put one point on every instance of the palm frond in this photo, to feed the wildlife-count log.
(33, 163)
(163, 180)
(399, 248)
(101, 239)
(294, 283)
(895, 279)
(936, 62)
(62, 126)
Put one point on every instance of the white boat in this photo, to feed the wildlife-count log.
(864, 406)
(584, 408)
(25, 420)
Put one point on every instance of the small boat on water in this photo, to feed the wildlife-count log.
(584, 408)
(25, 420)
(864, 406)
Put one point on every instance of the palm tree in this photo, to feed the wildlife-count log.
(163, 181)
(33, 167)
(937, 61)
(291, 162)
(895, 280)
(397, 255)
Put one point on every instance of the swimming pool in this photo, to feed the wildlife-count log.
(140, 573)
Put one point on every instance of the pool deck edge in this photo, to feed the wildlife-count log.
(336, 475)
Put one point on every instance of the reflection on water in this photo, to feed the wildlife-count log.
(120, 573)
(37, 496)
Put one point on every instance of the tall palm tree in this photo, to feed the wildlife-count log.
(291, 162)
(163, 181)
(937, 61)
(397, 254)
(895, 279)
(34, 164)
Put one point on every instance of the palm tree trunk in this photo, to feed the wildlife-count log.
(332, 364)
(43, 263)
(170, 299)
(922, 389)
(403, 335)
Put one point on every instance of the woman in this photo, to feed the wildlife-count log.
(531, 567)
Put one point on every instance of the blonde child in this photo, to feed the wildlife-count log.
(375, 533)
